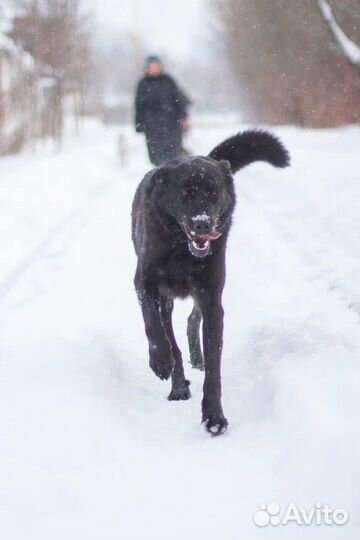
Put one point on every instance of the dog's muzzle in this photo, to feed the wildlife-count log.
(200, 235)
(200, 244)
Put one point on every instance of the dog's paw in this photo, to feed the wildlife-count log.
(181, 392)
(215, 424)
(161, 362)
(197, 361)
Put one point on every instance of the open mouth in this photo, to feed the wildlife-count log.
(199, 245)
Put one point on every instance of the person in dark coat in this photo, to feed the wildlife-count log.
(160, 113)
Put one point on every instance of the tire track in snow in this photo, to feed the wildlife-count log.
(298, 252)
(39, 251)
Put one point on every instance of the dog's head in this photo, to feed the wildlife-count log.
(198, 193)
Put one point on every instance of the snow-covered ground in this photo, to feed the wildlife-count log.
(90, 447)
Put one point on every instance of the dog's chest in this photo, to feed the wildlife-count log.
(179, 277)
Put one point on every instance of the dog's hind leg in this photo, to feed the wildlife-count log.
(179, 385)
(193, 334)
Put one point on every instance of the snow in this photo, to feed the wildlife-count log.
(90, 446)
(349, 48)
(201, 217)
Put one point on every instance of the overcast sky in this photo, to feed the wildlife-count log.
(177, 27)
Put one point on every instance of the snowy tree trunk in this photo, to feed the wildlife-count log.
(347, 47)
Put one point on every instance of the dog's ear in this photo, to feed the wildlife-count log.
(159, 176)
(249, 146)
(225, 167)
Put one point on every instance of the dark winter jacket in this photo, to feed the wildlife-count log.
(158, 101)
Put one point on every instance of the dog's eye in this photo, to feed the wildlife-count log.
(189, 193)
(212, 193)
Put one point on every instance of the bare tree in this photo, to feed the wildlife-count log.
(287, 63)
(58, 36)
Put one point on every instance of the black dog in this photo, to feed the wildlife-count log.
(181, 219)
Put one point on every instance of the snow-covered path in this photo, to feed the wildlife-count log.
(90, 447)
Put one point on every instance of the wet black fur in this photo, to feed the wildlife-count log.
(164, 207)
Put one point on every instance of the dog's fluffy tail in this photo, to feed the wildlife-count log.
(249, 146)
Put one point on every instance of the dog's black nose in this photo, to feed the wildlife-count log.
(201, 226)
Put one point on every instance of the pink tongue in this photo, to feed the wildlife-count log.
(212, 236)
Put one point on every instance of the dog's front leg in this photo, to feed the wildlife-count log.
(161, 360)
(213, 314)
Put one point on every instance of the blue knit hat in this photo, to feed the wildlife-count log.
(152, 58)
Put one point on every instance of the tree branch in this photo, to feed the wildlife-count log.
(348, 48)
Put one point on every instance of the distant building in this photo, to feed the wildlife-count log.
(29, 87)
(16, 96)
